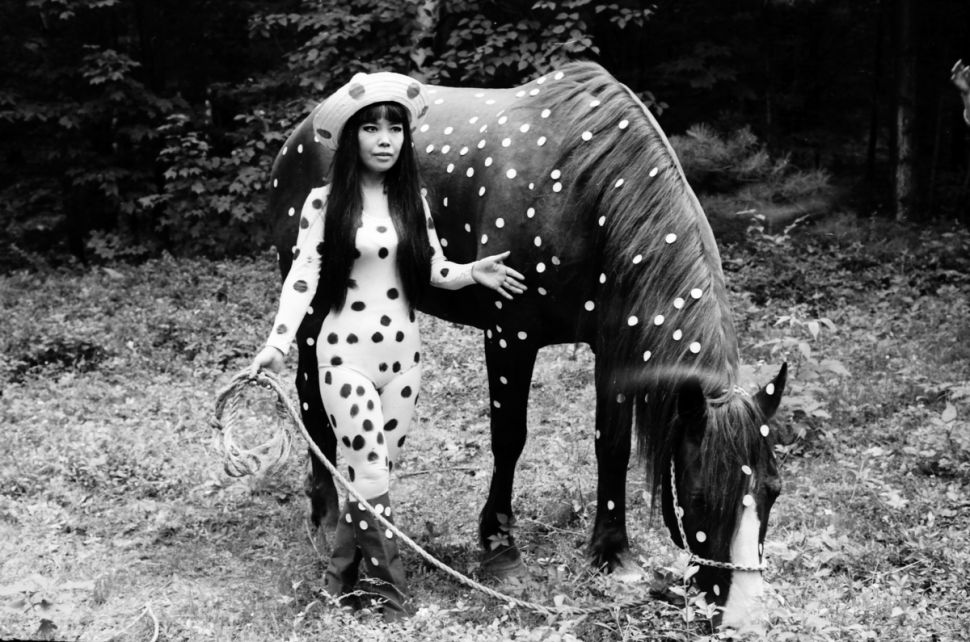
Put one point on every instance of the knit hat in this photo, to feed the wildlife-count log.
(364, 90)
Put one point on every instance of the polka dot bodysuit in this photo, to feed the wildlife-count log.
(368, 352)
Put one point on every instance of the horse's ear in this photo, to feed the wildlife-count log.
(692, 409)
(769, 397)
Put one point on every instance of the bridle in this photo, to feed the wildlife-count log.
(694, 557)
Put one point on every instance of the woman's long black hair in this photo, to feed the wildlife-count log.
(403, 186)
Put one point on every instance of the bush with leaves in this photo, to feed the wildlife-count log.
(738, 181)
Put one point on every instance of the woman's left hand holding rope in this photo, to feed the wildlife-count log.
(269, 358)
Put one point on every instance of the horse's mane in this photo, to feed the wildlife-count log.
(657, 247)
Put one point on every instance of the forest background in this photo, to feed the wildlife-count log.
(130, 127)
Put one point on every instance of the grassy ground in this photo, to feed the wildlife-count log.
(116, 517)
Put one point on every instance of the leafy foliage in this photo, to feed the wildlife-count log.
(129, 128)
(740, 183)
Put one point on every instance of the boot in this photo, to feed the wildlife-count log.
(383, 568)
(342, 572)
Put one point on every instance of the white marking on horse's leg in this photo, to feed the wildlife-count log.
(743, 607)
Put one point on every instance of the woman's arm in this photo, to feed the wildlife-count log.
(489, 271)
(301, 282)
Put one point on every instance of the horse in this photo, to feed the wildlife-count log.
(573, 175)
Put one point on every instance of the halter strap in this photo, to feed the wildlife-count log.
(694, 557)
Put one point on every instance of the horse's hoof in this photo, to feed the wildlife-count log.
(628, 572)
(503, 563)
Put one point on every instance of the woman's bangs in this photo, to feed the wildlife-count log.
(394, 113)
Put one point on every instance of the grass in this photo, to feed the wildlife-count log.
(116, 516)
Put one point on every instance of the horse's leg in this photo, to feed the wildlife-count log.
(320, 487)
(509, 379)
(614, 412)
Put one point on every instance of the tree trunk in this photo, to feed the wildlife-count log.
(874, 100)
(905, 185)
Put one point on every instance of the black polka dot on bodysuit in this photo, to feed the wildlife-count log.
(301, 286)
(381, 228)
(385, 320)
(396, 367)
(430, 224)
(356, 253)
(333, 421)
(406, 391)
(377, 337)
(382, 367)
(370, 404)
(411, 316)
(320, 248)
(327, 378)
(380, 438)
(417, 357)
(357, 306)
(304, 223)
(336, 361)
(354, 410)
(352, 283)
(391, 425)
(399, 336)
(281, 328)
(400, 442)
(360, 391)
(346, 441)
(316, 203)
(352, 338)
(368, 425)
(382, 253)
(393, 293)
(372, 456)
(444, 272)
(296, 254)
(350, 473)
(332, 338)
(345, 390)
(359, 442)
(390, 465)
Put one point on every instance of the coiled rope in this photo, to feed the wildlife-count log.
(272, 454)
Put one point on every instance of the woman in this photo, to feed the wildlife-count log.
(371, 237)
(960, 75)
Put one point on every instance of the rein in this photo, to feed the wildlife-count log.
(694, 557)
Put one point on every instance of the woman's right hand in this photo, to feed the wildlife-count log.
(269, 358)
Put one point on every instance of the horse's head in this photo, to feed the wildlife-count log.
(726, 482)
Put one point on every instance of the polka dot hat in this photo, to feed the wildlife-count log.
(364, 90)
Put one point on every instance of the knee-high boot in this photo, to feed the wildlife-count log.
(343, 571)
(383, 567)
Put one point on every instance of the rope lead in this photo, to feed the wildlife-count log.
(240, 462)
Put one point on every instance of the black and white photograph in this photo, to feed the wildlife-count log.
(484, 320)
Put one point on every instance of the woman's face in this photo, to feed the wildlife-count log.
(380, 145)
